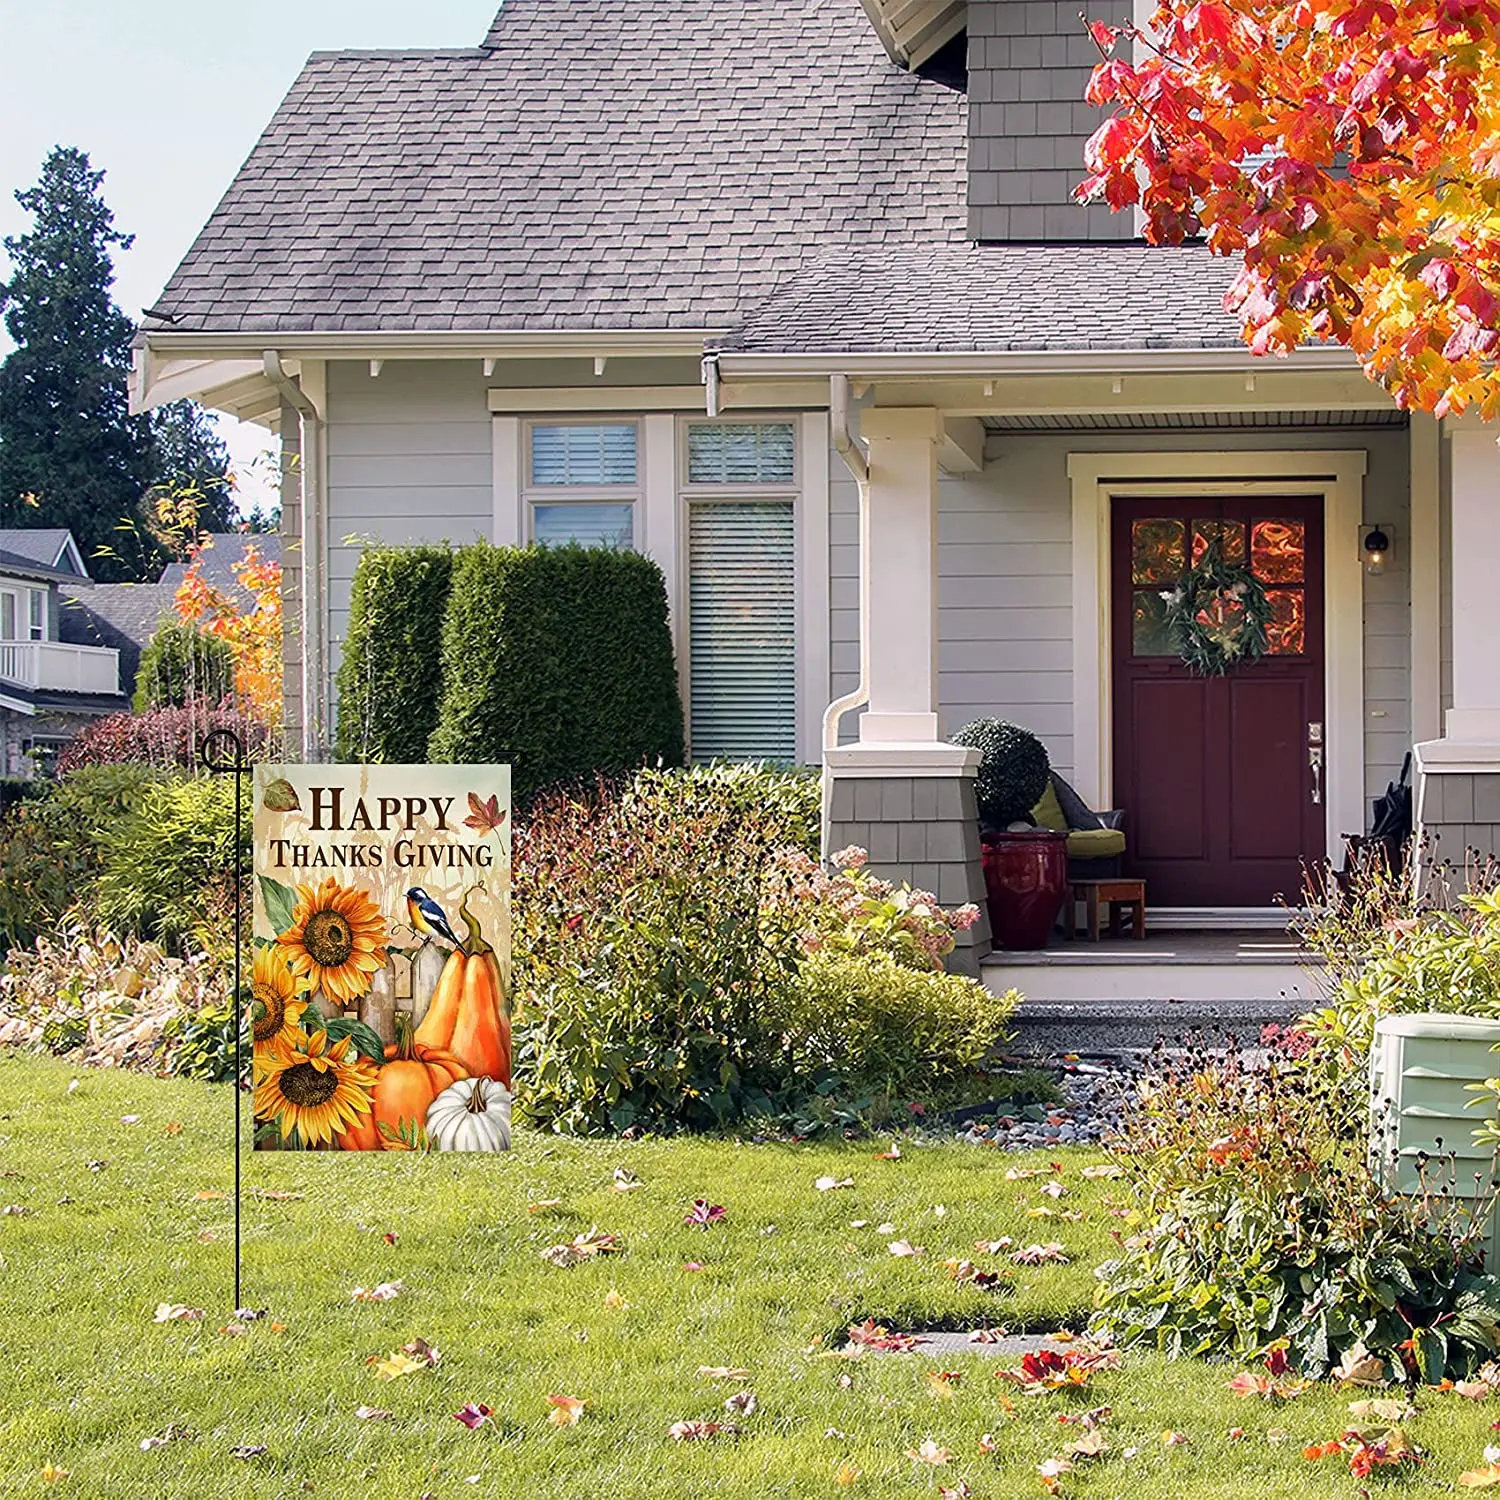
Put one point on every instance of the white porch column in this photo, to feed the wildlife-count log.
(902, 793)
(1458, 792)
(903, 706)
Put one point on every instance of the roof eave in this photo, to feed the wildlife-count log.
(912, 31)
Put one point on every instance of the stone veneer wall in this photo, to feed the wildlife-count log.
(924, 831)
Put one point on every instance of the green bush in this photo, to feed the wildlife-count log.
(166, 866)
(391, 674)
(182, 665)
(51, 850)
(790, 802)
(560, 660)
(1257, 1220)
(660, 933)
(1013, 770)
(882, 1028)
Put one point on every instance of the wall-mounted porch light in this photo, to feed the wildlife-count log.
(1376, 549)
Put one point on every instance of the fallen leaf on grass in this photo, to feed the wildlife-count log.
(885, 1229)
(52, 1473)
(829, 1184)
(248, 1450)
(582, 1247)
(542, 1204)
(1037, 1255)
(176, 1312)
(994, 1247)
(930, 1452)
(173, 1127)
(1473, 1390)
(845, 1475)
(1047, 1370)
(1054, 1189)
(1089, 1420)
(873, 1335)
(959, 1491)
(1383, 1410)
(905, 1248)
(566, 1411)
(722, 1372)
(693, 1265)
(625, 1181)
(96, 1165)
(473, 1414)
(1359, 1367)
(208, 1195)
(697, 1432)
(1052, 1471)
(1020, 1174)
(943, 1382)
(612, 1299)
(741, 1404)
(130, 1119)
(1480, 1479)
(1104, 1169)
(1252, 1383)
(14, 1211)
(407, 1360)
(966, 1272)
(276, 1195)
(385, 1291)
(894, 1154)
(390, 1237)
(987, 1443)
(1237, 1434)
(373, 1414)
(1175, 1439)
(1090, 1445)
(986, 1335)
(703, 1213)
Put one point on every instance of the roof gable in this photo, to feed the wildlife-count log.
(52, 548)
(658, 164)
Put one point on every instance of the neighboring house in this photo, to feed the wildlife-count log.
(49, 687)
(694, 276)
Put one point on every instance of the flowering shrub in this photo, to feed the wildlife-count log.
(163, 737)
(1258, 1219)
(851, 911)
(115, 1002)
(659, 949)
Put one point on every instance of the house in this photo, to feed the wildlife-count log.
(794, 297)
(49, 686)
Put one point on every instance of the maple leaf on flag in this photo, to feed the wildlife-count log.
(484, 816)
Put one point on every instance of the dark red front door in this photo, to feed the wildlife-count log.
(1213, 772)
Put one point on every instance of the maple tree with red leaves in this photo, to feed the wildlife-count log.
(1348, 151)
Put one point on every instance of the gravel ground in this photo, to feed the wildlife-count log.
(1092, 1096)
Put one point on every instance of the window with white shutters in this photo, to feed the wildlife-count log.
(741, 596)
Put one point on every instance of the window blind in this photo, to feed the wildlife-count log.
(741, 453)
(597, 453)
(588, 525)
(742, 630)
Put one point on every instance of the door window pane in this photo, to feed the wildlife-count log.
(1230, 536)
(601, 453)
(1150, 634)
(1157, 548)
(741, 453)
(588, 525)
(1278, 551)
(37, 615)
(1286, 633)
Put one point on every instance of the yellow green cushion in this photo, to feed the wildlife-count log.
(1096, 843)
(1048, 812)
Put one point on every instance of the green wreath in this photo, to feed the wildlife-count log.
(1218, 614)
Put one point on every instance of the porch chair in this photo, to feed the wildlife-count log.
(1096, 840)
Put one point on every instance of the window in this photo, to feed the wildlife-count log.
(8, 613)
(741, 606)
(582, 483)
(37, 615)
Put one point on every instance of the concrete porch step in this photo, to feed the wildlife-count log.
(1121, 995)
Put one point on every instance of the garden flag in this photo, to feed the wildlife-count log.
(380, 992)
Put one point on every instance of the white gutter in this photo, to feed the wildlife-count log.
(853, 456)
(314, 554)
(979, 366)
(459, 343)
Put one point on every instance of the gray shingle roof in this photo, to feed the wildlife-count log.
(123, 616)
(650, 164)
(41, 547)
(997, 299)
(217, 558)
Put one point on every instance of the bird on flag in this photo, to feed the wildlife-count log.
(427, 917)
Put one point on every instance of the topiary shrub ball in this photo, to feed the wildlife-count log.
(1013, 770)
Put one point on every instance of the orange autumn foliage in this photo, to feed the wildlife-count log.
(1346, 151)
(253, 634)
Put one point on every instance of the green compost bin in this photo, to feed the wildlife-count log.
(1420, 1066)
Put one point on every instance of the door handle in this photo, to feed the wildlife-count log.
(1315, 763)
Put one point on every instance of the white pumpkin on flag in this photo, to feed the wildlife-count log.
(471, 1115)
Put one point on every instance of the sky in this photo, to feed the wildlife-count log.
(168, 97)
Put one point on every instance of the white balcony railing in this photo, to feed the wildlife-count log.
(51, 666)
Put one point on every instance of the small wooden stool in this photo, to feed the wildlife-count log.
(1114, 894)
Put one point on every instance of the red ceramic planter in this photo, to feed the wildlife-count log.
(1026, 880)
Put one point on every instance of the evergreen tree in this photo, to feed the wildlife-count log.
(70, 452)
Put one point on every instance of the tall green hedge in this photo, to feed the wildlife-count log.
(391, 675)
(559, 659)
(180, 664)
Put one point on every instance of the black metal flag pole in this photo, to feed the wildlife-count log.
(222, 752)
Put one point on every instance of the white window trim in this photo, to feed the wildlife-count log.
(808, 493)
(18, 614)
(530, 495)
(34, 598)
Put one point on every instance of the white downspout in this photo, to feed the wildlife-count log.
(313, 553)
(854, 459)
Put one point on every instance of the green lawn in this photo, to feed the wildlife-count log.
(86, 1374)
